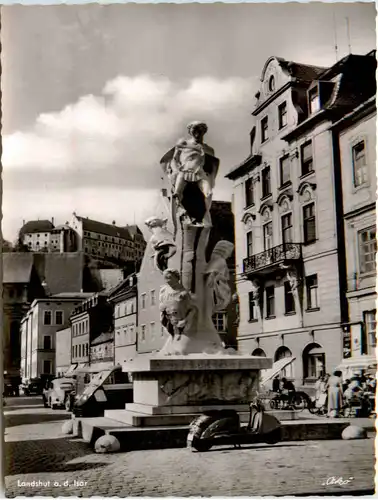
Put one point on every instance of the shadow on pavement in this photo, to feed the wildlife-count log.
(45, 455)
(32, 418)
(256, 446)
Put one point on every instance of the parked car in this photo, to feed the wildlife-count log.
(108, 389)
(32, 387)
(57, 391)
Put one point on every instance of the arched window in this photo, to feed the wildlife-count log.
(259, 352)
(313, 361)
(282, 353)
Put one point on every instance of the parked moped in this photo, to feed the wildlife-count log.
(223, 427)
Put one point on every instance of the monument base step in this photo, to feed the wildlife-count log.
(152, 437)
(141, 419)
(180, 409)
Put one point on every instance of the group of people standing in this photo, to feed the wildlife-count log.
(333, 393)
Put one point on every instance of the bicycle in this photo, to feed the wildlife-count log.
(285, 402)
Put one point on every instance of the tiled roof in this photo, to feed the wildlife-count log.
(72, 295)
(37, 226)
(103, 228)
(303, 72)
(104, 337)
(123, 285)
(17, 267)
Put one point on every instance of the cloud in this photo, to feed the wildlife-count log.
(114, 141)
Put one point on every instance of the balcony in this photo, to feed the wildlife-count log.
(269, 260)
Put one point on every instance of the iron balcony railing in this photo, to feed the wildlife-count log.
(275, 255)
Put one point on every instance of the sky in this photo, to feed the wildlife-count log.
(93, 96)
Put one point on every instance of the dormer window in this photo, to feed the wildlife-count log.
(313, 100)
(271, 84)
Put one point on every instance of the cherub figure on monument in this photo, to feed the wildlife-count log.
(178, 312)
(162, 242)
(191, 168)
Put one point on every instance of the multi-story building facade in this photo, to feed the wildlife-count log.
(289, 249)
(62, 351)
(108, 242)
(36, 235)
(138, 241)
(63, 239)
(90, 319)
(102, 352)
(151, 335)
(124, 298)
(355, 156)
(38, 333)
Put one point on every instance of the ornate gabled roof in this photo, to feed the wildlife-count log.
(302, 72)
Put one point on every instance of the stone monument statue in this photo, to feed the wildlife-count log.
(191, 168)
(194, 289)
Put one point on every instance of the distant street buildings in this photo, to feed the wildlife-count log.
(38, 333)
(292, 252)
(80, 257)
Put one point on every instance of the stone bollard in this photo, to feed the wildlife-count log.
(107, 444)
(354, 432)
(67, 427)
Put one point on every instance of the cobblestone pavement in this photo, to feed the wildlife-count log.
(64, 466)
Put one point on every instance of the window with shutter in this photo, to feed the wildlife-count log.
(284, 170)
(307, 158)
(359, 164)
(249, 198)
(367, 250)
(309, 223)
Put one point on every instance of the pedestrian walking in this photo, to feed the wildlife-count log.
(335, 394)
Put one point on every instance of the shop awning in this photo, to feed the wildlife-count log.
(278, 366)
(70, 370)
(363, 362)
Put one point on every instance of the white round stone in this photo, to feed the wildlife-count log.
(107, 444)
(354, 432)
(67, 427)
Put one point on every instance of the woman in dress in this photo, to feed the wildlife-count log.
(335, 394)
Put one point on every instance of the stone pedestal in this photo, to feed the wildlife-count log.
(171, 390)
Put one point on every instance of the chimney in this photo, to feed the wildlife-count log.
(52, 220)
(114, 223)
